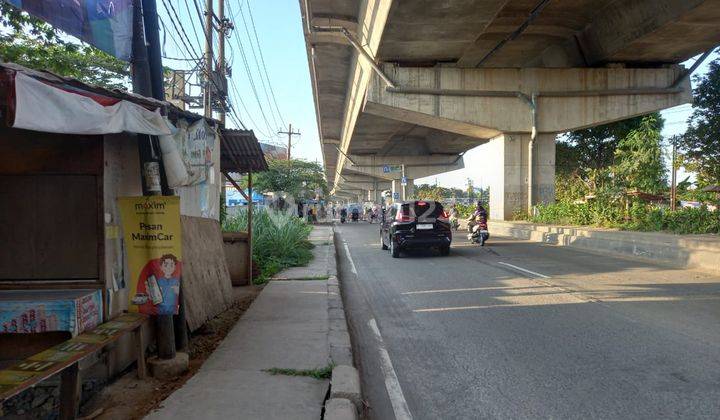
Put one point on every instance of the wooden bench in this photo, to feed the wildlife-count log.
(64, 358)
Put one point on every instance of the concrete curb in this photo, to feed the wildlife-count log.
(345, 400)
(340, 409)
(697, 252)
(345, 383)
(338, 336)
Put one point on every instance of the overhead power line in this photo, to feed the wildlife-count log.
(248, 72)
(262, 58)
(257, 66)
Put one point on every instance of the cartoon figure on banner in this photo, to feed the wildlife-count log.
(158, 286)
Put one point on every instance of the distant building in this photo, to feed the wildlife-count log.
(272, 151)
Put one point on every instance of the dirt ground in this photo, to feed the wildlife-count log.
(131, 398)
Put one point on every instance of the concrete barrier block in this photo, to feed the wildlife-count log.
(164, 369)
(339, 338)
(345, 383)
(341, 355)
(340, 409)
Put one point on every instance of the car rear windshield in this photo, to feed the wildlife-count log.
(423, 209)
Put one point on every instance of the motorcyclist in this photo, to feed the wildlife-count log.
(479, 216)
(454, 216)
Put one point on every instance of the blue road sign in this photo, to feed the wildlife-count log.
(403, 180)
(396, 195)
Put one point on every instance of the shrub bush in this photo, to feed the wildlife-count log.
(280, 240)
(641, 216)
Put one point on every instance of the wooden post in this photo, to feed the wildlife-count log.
(140, 349)
(249, 230)
(70, 392)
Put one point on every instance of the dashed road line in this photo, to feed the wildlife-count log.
(352, 263)
(524, 270)
(392, 384)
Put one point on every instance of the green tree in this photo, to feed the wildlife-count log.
(701, 143)
(298, 178)
(594, 148)
(639, 162)
(30, 42)
(429, 192)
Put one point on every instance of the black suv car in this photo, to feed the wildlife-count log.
(415, 224)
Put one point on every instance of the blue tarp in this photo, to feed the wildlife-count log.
(234, 198)
(106, 24)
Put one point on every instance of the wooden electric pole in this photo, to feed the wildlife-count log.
(207, 97)
(673, 187)
(221, 56)
(289, 133)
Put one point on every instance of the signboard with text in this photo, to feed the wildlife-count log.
(152, 233)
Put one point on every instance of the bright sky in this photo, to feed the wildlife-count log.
(279, 32)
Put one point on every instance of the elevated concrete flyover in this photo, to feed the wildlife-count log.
(419, 82)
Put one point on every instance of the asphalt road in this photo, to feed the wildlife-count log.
(524, 330)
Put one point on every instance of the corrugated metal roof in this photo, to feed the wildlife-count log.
(240, 152)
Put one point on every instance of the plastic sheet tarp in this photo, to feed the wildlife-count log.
(42, 107)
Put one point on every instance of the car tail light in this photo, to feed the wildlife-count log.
(403, 217)
(444, 217)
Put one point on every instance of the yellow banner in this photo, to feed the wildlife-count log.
(152, 233)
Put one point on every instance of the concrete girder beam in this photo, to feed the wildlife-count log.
(371, 24)
(640, 30)
(368, 186)
(415, 166)
(568, 99)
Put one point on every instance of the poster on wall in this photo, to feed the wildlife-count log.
(38, 311)
(106, 24)
(152, 233)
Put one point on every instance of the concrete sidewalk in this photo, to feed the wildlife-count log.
(288, 326)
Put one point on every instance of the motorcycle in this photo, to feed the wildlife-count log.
(343, 216)
(355, 216)
(479, 234)
(454, 223)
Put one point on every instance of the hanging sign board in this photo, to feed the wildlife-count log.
(152, 233)
(105, 24)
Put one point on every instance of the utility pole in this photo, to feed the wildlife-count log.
(148, 80)
(207, 97)
(221, 53)
(673, 187)
(289, 133)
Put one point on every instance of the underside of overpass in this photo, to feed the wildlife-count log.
(416, 83)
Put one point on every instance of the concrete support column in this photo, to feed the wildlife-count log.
(396, 188)
(409, 189)
(508, 156)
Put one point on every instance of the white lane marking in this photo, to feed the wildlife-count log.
(392, 384)
(352, 263)
(470, 289)
(467, 308)
(524, 270)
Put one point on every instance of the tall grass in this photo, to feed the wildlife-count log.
(280, 240)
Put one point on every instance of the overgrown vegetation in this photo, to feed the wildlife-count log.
(319, 373)
(280, 240)
(615, 176)
(300, 179)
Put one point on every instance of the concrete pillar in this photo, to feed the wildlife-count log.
(396, 190)
(508, 157)
(409, 189)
